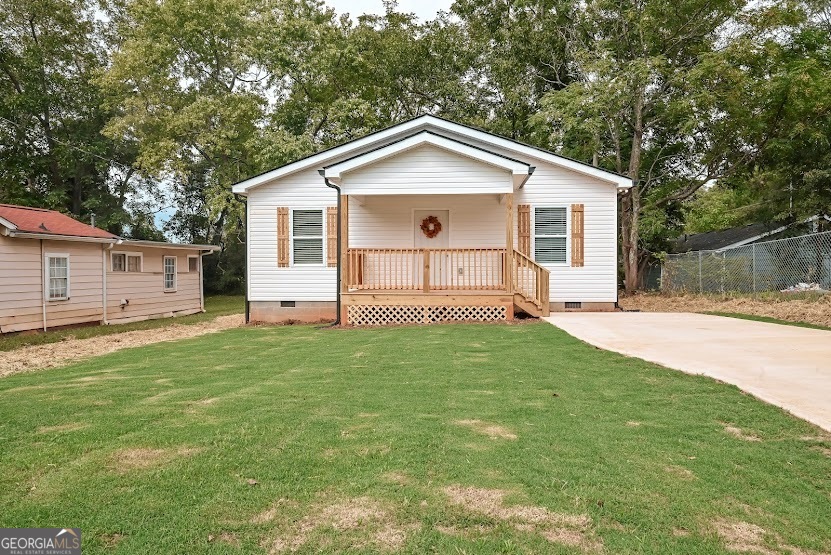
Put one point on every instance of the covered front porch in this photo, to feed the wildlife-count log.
(402, 263)
(427, 234)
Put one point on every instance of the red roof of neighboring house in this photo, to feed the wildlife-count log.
(49, 222)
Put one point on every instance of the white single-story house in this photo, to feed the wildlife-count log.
(428, 221)
(56, 271)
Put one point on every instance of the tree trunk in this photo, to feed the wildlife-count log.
(631, 208)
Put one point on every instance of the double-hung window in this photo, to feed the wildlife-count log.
(170, 273)
(57, 277)
(550, 234)
(126, 262)
(307, 237)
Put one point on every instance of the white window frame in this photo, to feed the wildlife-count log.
(322, 263)
(534, 234)
(175, 272)
(194, 256)
(47, 276)
(127, 255)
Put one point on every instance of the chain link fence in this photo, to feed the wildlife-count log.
(798, 263)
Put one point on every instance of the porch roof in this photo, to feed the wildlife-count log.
(519, 171)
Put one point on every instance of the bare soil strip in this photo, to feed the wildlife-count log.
(813, 311)
(51, 355)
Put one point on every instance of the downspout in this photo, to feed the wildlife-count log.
(104, 283)
(43, 282)
(202, 283)
(340, 270)
(247, 259)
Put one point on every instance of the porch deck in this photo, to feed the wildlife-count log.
(382, 286)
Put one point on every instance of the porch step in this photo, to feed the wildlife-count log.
(529, 307)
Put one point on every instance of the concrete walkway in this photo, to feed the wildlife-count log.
(787, 366)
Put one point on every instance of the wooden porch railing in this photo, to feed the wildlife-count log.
(425, 269)
(428, 270)
(531, 281)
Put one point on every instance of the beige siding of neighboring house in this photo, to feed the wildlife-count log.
(145, 292)
(21, 289)
(22, 282)
(22, 285)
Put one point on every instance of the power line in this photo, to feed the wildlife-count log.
(75, 147)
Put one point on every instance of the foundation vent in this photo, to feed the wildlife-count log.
(287, 304)
(573, 304)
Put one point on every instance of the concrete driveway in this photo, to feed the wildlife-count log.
(787, 366)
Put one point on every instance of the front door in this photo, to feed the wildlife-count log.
(432, 231)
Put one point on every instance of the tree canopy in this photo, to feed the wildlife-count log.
(719, 110)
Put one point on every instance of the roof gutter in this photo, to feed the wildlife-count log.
(53, 237)
(331, 185)
(527, 177)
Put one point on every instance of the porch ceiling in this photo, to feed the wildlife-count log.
(518, 170)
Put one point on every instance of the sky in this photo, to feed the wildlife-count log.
(424, 9)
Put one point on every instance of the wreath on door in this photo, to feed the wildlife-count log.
(430, 226)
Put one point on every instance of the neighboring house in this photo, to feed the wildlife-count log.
(56, 271)
(430, 221)
(749, 234)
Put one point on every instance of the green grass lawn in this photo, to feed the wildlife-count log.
(446, 439)
(218, 305)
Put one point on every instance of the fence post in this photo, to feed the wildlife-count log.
(700, 281)
(723, 270)
(753, 270)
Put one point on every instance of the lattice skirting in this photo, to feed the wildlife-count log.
(379, 315)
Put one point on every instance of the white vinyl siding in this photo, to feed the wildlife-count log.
(57, 277)
(427, 170)
(475, 220)
(170, 273)
(550, 234)
(307, 237)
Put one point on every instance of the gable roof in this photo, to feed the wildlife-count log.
(438, 126)
(24, 219)
(40, 223)
(735, 236)
(519, 170)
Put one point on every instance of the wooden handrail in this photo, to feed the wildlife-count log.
(473, 269)
(425, 269)
(531, 281)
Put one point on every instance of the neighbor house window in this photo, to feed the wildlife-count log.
(57, 277)
(170, 273)
(193, 263)
(126, 262)
(550, 234)
(307, 236)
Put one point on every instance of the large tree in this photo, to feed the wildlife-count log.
(52, 152)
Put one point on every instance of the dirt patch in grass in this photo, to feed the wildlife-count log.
(814, 310)
(633, 424)
(68, 427)
(111, 540)
(225, 537)
(744, 537)
(52, 355)
(141, 458)
(565, 529)
(362, 521)
(680, 472)
(739, 433)
(493, 431)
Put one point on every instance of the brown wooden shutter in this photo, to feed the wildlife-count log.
(577, 235)
(523, 224)
(282, 237)
(332, 236)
